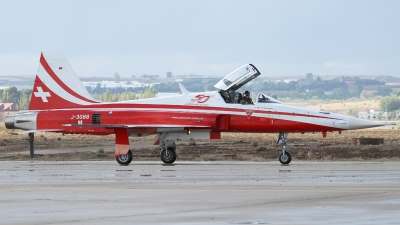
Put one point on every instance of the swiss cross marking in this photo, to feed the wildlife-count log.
(249, 112)
(42, 94)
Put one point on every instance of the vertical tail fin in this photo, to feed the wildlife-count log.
(57, 86)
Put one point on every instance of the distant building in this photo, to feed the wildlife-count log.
(200, 79)
(113, 84)
(151, 76)
(348, 80)
(7, 107)
(363, 115)
(371, 88)
(276, 81)
(375, 114)
(394, 86)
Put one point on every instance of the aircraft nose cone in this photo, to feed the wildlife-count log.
(355, 123)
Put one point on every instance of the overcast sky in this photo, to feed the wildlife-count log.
(214, 37)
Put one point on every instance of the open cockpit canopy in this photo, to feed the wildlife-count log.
(238, 78)
(235, 80)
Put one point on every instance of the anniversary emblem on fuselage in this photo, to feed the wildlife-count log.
(199, 99)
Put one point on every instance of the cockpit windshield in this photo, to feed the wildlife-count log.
(263, 98)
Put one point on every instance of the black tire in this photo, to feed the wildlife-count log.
(125, 159)
(168, 155)
(285, 159)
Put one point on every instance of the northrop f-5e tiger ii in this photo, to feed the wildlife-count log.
(60, 103)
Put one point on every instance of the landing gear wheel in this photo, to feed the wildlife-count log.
(125, 159)
(168, 155)
(285, 158)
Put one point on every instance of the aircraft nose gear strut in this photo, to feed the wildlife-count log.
(284, 157)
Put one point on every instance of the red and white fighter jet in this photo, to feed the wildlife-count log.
(60, 103)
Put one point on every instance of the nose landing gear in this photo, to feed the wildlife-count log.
(168, 155)
(284, 157)
(168, 151)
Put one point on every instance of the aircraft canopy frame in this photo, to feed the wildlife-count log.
(238, 78)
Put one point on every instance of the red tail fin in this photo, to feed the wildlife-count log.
(53, 85)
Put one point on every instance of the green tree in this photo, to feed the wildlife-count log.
(383, 91)
(97, 96)
(339, 93)
(11, 95)
(24, 98)
(141, 95)
(389, 104)
(127, 96)
(392, 115)
(150, 93)
(114, 98)
(354, 90)
(256, 85)
(319, 93)
(106, 96)
(352, 111)
(366, 94)
(396, 92)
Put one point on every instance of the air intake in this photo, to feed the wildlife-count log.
(96, 118)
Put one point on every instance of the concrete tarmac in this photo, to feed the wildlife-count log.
(39, 192)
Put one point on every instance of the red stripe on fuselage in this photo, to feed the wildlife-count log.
(124, 106)
(59, 81)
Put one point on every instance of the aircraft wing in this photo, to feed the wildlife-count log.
(37, 131)
(137, 125)
(111, 126)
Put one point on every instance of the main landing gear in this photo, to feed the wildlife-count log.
(168, 155)
(125, 159)
(284, 157)
(168, 152)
